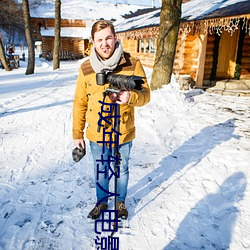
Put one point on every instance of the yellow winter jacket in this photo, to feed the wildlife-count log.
(87, 108)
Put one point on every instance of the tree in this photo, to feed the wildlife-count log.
(10, 24)
(3, 57)
(11, 19)
(168, 34)
(56, 59)
(29, 39)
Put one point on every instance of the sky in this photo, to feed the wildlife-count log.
(189, 168)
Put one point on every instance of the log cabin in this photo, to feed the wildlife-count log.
(74, 37)
(77, 17)
(213, 41)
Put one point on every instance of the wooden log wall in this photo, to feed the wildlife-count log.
(185, 59)
(131, 46)
(186, 55)
(50, 22)
(190, 56)
(47, 45)
(146, 59)
(66, 44)
(178, 61)
(79, 46)
(73, 45)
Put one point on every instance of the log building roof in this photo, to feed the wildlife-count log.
(193, 10)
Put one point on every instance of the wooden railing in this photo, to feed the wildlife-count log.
(63, 55)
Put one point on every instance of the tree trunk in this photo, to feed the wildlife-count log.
(168, 34)
(28, 33)
(3, 57)
(56, 59)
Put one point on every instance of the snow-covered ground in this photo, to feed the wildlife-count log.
(189, 168)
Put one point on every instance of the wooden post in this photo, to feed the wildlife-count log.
(201, 60)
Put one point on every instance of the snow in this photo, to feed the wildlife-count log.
(86, 10)
(84, 33)
(197, 9)
(155, 3)
(192, 10)
(189, 168)
(145, 20)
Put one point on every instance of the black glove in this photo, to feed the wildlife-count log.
(78, 153)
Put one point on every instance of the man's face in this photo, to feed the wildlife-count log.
(104, 42)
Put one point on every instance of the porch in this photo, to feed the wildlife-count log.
(231, 87)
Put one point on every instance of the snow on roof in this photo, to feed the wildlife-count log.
(145, 20)
(192, 10)
(85, 10)
(79, 32)
(197, 9)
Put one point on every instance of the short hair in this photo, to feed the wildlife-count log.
(102, 24)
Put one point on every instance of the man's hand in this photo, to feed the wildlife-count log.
(123, 97)
(79, 143)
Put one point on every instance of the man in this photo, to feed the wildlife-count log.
(107, 54)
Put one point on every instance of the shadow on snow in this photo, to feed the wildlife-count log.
(210, 223)
(23, 110)
(215, 220)
(190, 153)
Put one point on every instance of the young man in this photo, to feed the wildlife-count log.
(107, 54)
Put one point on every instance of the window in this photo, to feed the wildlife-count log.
(146, 45)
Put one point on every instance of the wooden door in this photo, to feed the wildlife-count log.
(227, 55)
